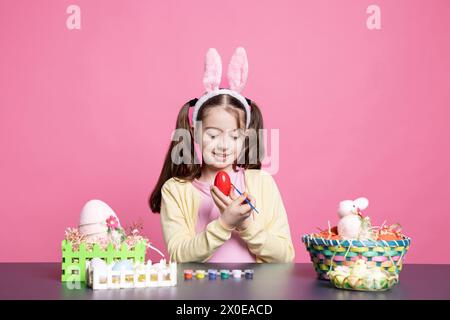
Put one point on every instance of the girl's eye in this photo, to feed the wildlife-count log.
(235, 136)
(212, 134)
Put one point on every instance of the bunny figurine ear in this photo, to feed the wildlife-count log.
(362, 203)
(213, 70)
(238, 70)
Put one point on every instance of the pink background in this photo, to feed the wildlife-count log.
(88, 113)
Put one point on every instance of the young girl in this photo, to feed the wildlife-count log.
(200, 223)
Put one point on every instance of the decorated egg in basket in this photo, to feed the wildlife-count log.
(362, 278)
(93, 219)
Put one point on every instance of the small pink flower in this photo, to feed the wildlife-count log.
(112, 222)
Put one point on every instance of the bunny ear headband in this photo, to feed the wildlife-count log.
(237, 78)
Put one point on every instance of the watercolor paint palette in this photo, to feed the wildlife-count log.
(214, 274)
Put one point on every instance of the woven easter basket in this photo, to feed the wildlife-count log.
(327, 254)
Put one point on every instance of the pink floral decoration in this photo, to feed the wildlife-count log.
(112, 222)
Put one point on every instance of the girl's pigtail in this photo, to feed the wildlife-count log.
(253, 152)
(186, 171)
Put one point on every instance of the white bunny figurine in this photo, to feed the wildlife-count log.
(349, 226)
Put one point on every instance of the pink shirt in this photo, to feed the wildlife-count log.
(235, 249)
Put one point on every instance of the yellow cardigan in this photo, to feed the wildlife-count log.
(268, 236)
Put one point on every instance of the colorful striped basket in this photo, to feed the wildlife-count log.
(326, 254)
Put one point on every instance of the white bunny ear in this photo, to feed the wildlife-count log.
(238, 70)
(213, 70)
(362, 203)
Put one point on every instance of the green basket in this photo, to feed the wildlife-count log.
(74, 261)
(326, 254)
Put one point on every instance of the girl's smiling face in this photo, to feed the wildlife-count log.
(222, 136)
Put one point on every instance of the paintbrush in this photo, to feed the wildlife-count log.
(246, 199)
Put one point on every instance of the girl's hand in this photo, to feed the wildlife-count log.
(233, 213)
(244, 224)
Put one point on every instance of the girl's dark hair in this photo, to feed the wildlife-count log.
(189, 171)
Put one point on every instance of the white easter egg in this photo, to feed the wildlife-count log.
(359, 269)
(100, 267)
(95, 211)
(93, 219)
(98, 264)
(91, 229)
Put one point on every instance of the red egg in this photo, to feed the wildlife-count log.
(223, 182)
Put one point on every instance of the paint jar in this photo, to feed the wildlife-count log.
(212, 274)
(224, 274)
(237, 274)
(248, 274)
(200, 274)
(187, 274)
